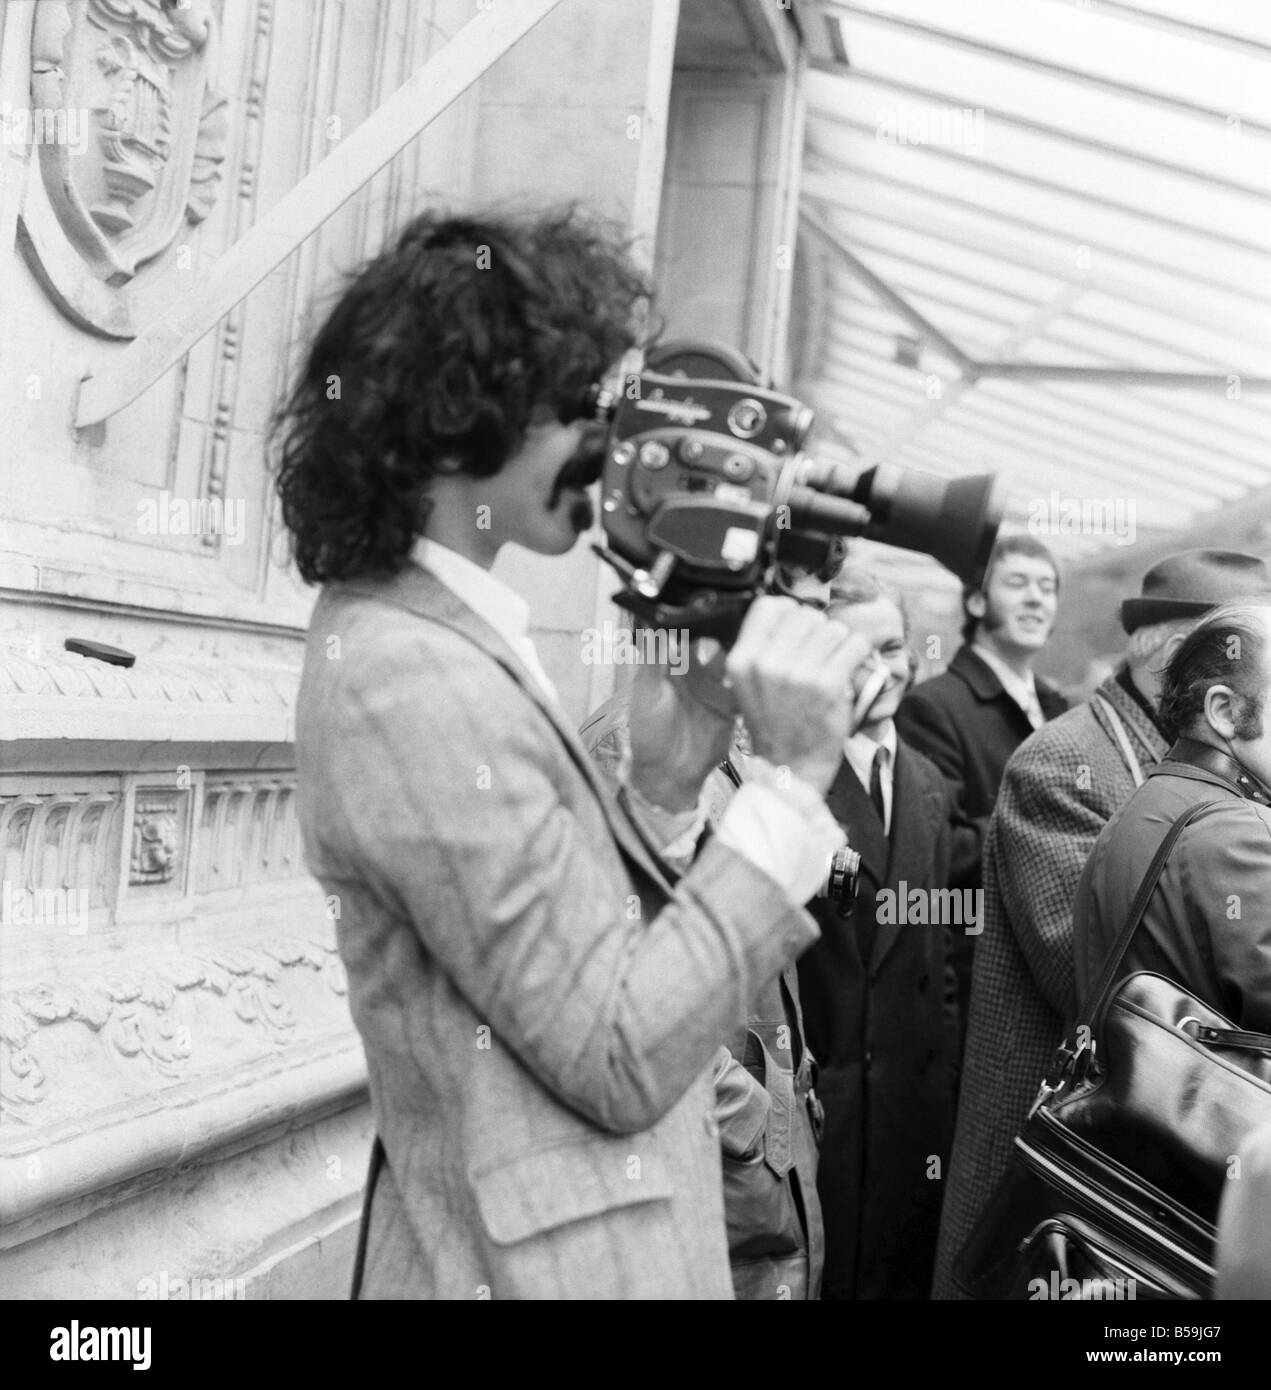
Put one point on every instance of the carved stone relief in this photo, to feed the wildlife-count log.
(60, 855)
(128, 86)
(157, 836)
(139, 1012)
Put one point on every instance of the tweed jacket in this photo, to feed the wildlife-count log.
(879, 1006)
(539, 1007)
(1207, 926)
(1059, 790)
(768, 1116)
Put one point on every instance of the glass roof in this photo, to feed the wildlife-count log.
(1036, 239)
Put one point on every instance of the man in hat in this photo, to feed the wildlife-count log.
(1059, 790)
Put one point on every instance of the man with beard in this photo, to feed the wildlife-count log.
(970, 720)
(538, 1003)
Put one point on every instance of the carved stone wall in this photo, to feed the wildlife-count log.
(182, 1094)
(172, 1009)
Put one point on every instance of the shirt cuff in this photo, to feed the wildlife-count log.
(783, 826)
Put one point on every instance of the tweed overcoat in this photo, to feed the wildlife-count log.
(538, 1006)
(1059, 790)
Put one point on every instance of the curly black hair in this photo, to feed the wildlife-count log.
(433, 360)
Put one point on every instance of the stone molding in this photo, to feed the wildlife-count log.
(60, 695)
(216, 444)
(68, 675)
(115, 844)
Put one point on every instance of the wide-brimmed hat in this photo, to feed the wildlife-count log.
(1192, 582)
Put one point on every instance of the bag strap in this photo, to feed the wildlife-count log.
(364, 1226)
(1110, 974)
(1227, 1037)
(1118, 731)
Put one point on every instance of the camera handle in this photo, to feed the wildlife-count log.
(705, 613)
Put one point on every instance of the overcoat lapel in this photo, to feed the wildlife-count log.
(915, 823)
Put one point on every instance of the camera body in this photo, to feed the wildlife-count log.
(705, 487)
(694, 469)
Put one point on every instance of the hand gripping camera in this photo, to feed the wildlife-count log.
(705, 488)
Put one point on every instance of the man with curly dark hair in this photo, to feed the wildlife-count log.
(539, 1002)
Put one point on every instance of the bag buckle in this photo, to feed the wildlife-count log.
(1044, 1093)
(1064, 1070)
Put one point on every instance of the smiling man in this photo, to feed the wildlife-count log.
(878, 994)
(538, 1002)
(970, 720)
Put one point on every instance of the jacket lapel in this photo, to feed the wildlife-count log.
(985, 686)
(421, 592)
(850, 805)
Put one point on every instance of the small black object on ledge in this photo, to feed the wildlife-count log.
(99, 651)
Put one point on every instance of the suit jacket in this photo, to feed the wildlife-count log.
(882, 1025)
(1058, 792)
(1207, 927)
(538, 1005)
(968, 725)
(763, 1100)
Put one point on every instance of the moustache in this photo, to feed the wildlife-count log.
(583, 468)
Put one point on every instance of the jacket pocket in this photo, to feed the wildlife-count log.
(760, 1212)
(544, 1189)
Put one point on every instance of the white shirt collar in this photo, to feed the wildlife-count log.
(859, 751)
(489, 598)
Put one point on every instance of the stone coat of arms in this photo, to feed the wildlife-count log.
(132, 80)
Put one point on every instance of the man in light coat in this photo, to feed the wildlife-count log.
(1059, 790)
(539, 1005)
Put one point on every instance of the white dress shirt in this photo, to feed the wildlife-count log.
(859, 750)
(776, 820)
(1021, 689)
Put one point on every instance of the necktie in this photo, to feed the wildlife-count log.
(865, 931)
(876, 784)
